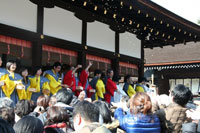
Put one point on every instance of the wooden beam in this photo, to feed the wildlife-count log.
(128, 59)
(18, 33)
(37, 44)
(115, 66)
(4, 59)
(116, 42)
(82, 53)
(82, 58)
(36, 53)
(40, 19)
(84, 33)
(141, 66)
(181, 73)
(115, 61)
(100, 52)
(61, 43)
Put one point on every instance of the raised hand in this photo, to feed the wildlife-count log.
(79, 66)
(90, 63)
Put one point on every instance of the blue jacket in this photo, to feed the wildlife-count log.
(139, 123)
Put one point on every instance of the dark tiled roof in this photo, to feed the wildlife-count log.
(179, 54)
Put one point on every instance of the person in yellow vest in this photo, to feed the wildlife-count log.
(2, 73)
(12, 82)
(39, 85)
(141, 86)
(22, 94)
(128, 88)
(54, 78)
(97, 84)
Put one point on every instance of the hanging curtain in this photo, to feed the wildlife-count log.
(15, 47)
(127, 68)
(53, 54)
(98, 62)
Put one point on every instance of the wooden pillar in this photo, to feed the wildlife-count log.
(162, 82)
(40, 19)
(115, 66)
(115, 61)
(4, 59)
(37, 45)
(82, 53)
(36, 53)
(141, 66)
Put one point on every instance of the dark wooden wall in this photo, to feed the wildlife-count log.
(163, 76)
(38, 39)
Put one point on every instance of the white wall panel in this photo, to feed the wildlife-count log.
(18, 13)
(179, 81)
(62, 24)
(195, 86)
(187, 83)
(130, 45)
(172, 83)
(100, 36)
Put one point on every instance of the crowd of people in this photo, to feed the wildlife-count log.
(59, 100)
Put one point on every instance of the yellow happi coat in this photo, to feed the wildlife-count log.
(100, 89)
(39, 83)
(11, 80)
(54, 82)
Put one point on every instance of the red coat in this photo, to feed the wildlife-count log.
(70, 80)
(110, 89)
(83, 79)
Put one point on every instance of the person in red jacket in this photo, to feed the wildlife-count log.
(83, 81)
(111, 87)
(70, 79)
(78, 84)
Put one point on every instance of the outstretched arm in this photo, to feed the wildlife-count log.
(75, 69)
(88, 67)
